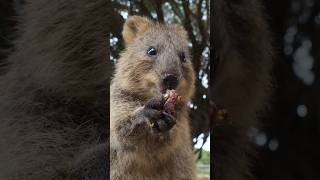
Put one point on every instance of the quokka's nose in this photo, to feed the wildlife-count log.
(170, 81)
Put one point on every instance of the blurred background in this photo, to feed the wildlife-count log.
(289, 141)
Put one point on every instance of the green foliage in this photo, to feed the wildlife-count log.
(205, 156)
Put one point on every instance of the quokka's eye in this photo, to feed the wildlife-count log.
(182, 57)
(152, 51)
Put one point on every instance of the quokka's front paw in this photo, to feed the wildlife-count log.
(153, 115)
(164, 123)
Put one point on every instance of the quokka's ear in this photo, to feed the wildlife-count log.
(135, 26)
(180, 30)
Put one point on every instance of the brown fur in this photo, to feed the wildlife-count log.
(241, 83)
(54, 97)
(143, 156)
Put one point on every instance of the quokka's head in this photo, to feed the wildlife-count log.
(156, 58)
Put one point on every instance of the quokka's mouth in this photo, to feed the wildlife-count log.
(169, 81)
(164, 89)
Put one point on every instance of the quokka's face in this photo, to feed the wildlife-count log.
(158, 58)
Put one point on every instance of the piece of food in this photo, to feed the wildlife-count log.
(171, 99)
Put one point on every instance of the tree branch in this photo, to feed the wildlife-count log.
(158, 9)
(144, 10)
(187, 23)
(175, 7)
